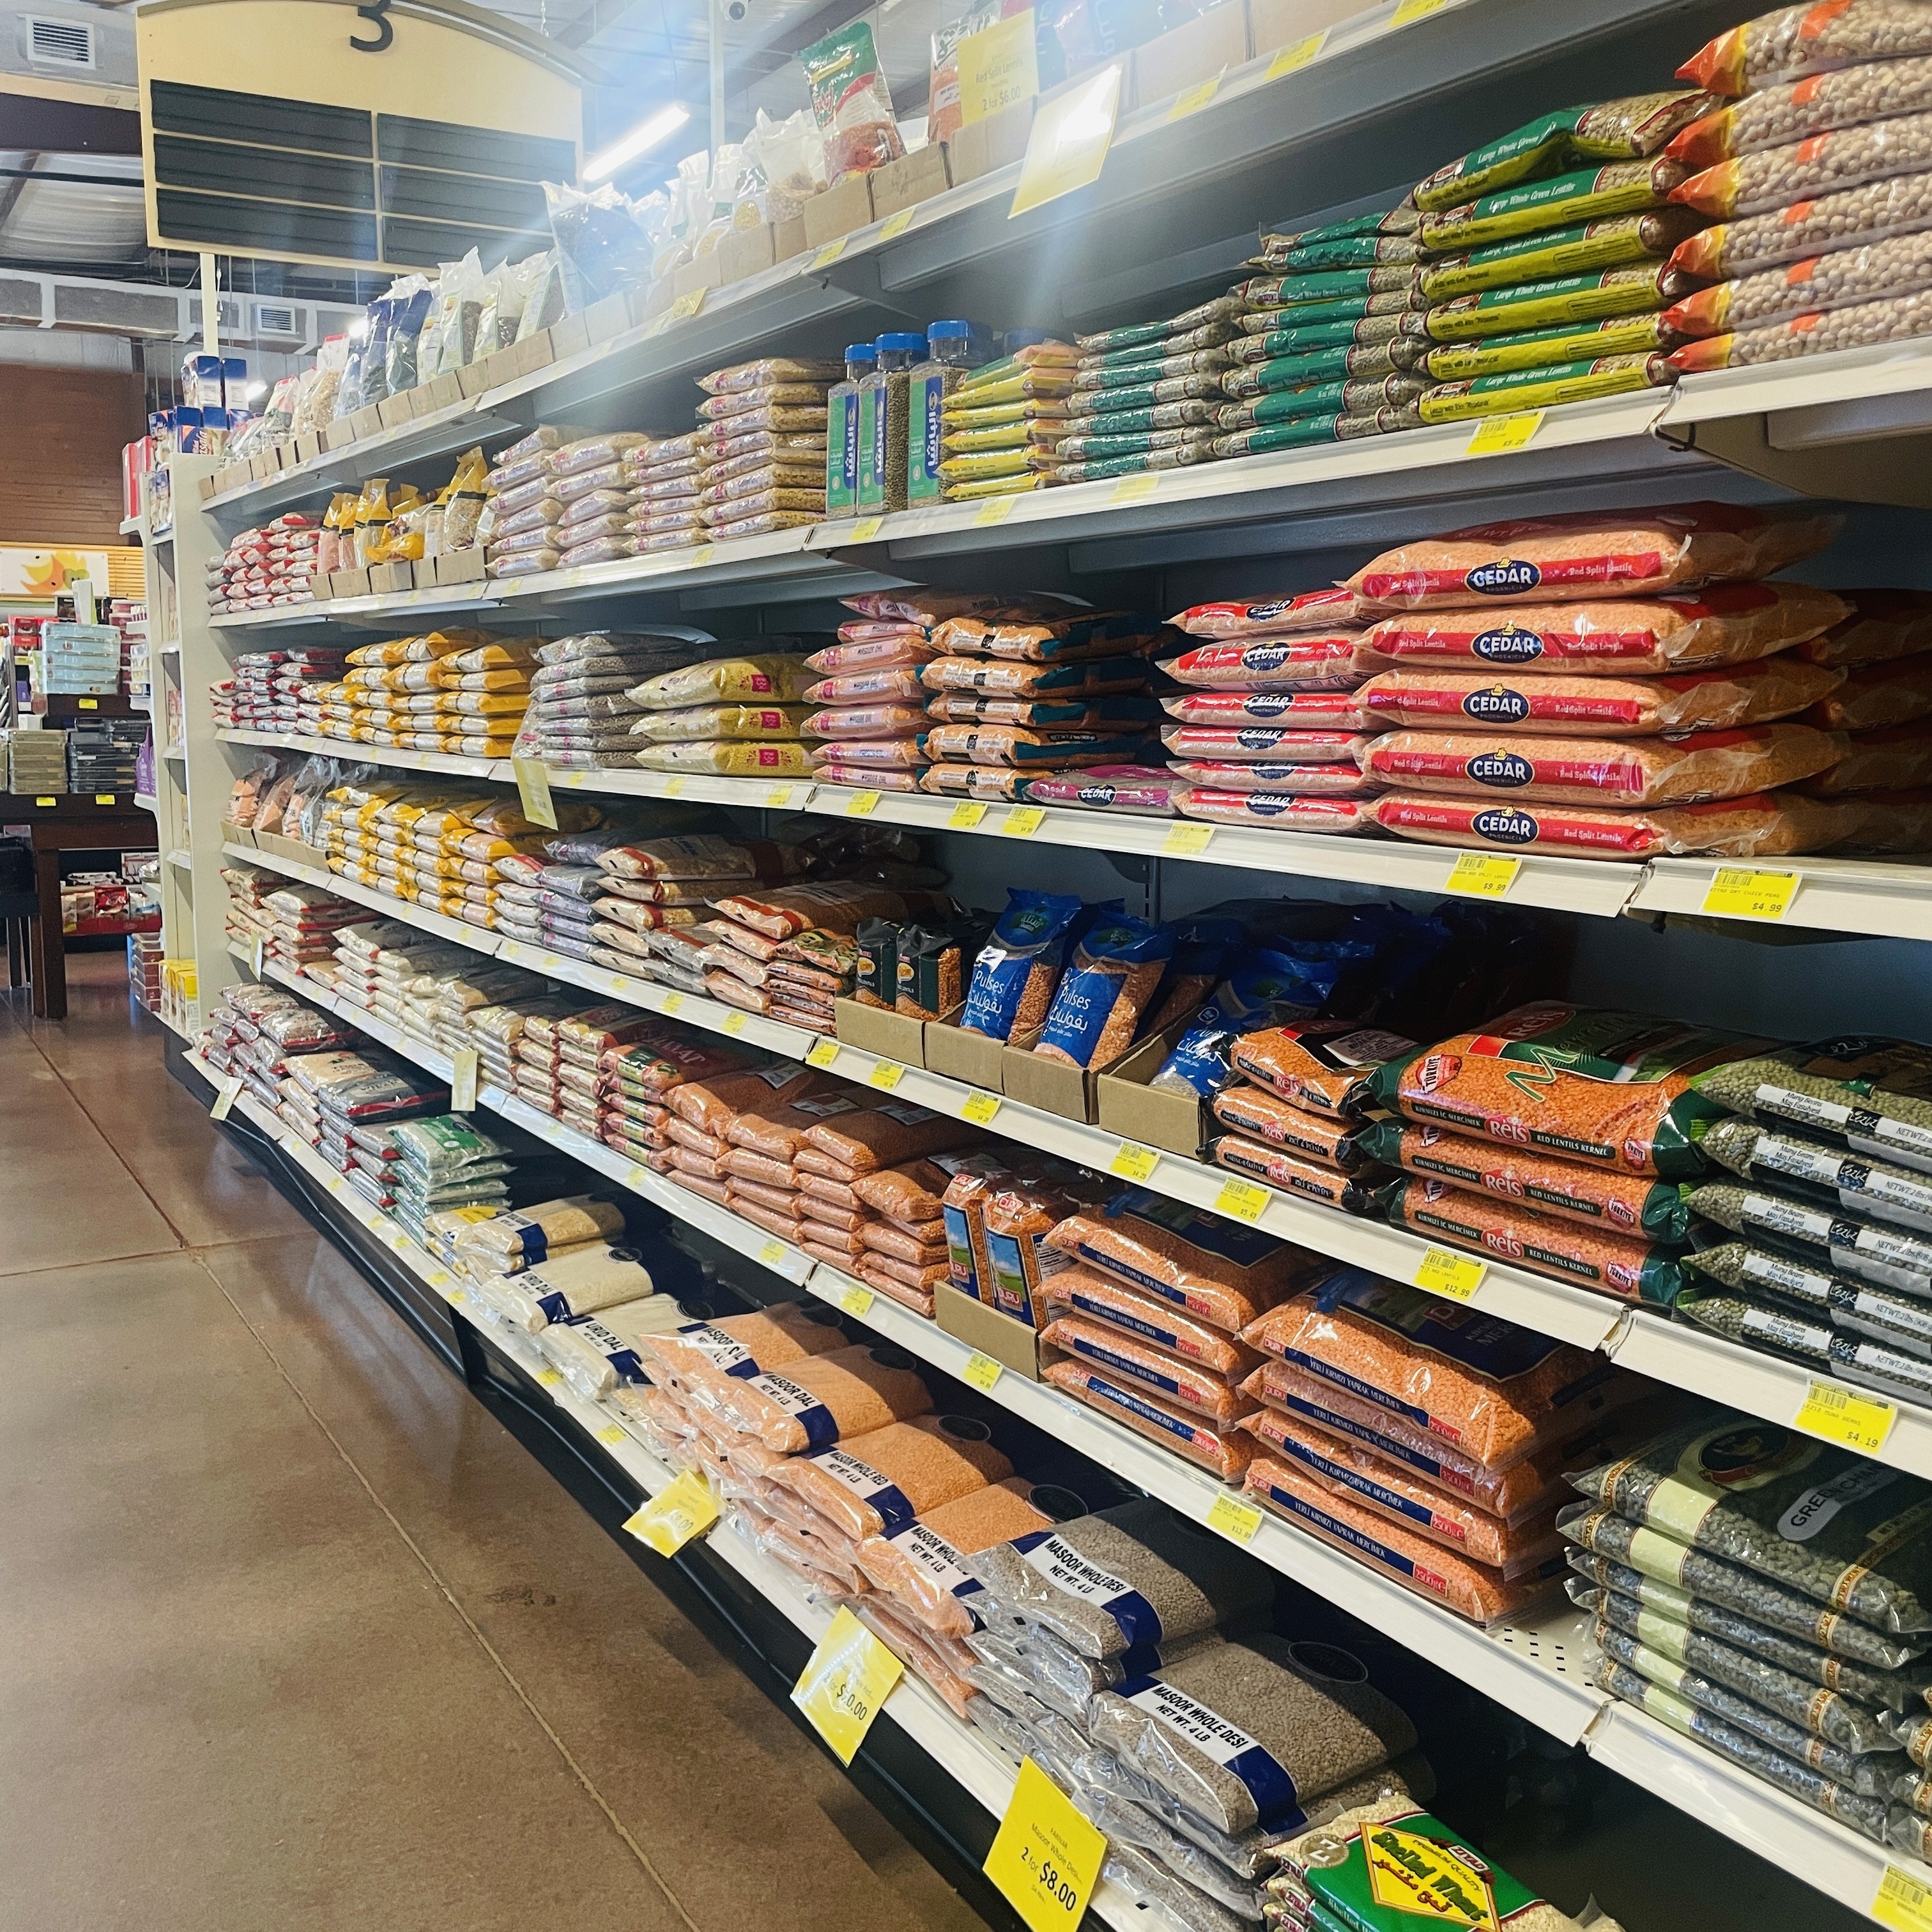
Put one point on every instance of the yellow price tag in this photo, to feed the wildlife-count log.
(46, 801)
(1134, 489)
(848, 1295)
(550, 1378)
(1073, 129)
(1903, 1902)
(533, 791)
(1193, 99)
(771, 1253)
(822, 1053)
(1415, 9)
(777, 796)
(896, 225)
(636, 1177)
(886, 1073)
(1482, 875)
(464, 1064)
(703, 555)
(104, 798)
(1186, 841)
(827, 255)
(980, 1108)
(1456, 1277)
(1046, 1857)
(1133, 1162)
(1494, 435)
(965, 816)
(673, 787)
(1234, 1519)
(862, 804)
(845, 1680)
(1298, 56)
(982, 1371)
(1023, 820)
(226, 1095)
(1242, 1200)
(87, 704)
(866, 529)
(612, 1436)
(678, 1512)
(997, 66)
(1747, 891)
(673, 1003)
(996, 509)
(686, 306)
(733, 1023)
(255, 947)
(1860, 1422)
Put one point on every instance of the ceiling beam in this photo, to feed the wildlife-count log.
(66, 127)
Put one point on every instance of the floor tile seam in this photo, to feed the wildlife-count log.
(476, 1633)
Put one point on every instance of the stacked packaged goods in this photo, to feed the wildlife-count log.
(1320, 324)
(1884, 708)
(1428, 1441)
(1596, 745)
(593, 481)
(736, 716)
(1001, 424)
(632, 1081)
(1815, 1244)
(462, 692)
(264, 566)
(1816, 167)
(665, 476)
(1267, 730)
(300, 923)
(580, 709)
(874, 719)
(761, 446)
(282, 691)
(518, 527)
(254, 1032)
(1766, 1594)
(1547, 261)
(245, 919)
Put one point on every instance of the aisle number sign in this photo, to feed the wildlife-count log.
(1072, 129)
(845, 1682)
(1046, 1857)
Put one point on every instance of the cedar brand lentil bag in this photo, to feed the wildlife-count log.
(1611, 1088)
(1759, 825)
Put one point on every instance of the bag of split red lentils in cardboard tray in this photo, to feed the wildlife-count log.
(1589, 553)
(1612, 1088)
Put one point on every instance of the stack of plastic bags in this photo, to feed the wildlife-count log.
(460, 692)
(1816, 166)
(281, 690)
(1001, 424)
(736, 716)
(580, 709)
(1145, 397)
(255, 1031)
(665, 475)
(761, 446)
(264, 566)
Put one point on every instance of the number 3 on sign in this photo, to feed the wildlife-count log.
(1046, 1859)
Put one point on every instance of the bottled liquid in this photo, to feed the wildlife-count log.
(841, 434)
(950, 352)
(884, 397)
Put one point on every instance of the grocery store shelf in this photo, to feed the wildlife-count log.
(371, 613)
(1887, 900)
(340, 748)
(131, 527)
(146, 801)
(455, 930)
(182, 860)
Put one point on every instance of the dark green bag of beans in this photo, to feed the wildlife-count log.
(1622, 188)
(1537, 348)
(1608, 243)
(1299, 337)
(1306, 430)
(1296, 372)
(1333, 285)
(1348, 398)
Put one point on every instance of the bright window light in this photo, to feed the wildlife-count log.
(640, 140)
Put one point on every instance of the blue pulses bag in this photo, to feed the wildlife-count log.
(1268, 989)
(1106, 992)
(1030, 938)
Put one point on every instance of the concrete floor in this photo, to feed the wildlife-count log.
(295, 1632)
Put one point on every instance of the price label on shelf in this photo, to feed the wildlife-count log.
(1023, 820)
(1186, 841)
(846, 1293)
(1456, 1277)
(777, 796)
(225, 1097)
(1073, 129)
(1132, 1162)
(1415, 9)
(703, 555)
(612, 1436)
(1191, 100)
(982, 1371)
(1234, 1519)
(968, 813)
(1046, 1857)
(771, 1253)
(533, 791)
(827, 255)
(1242, 1200)
(980, 1108)
(1482, 875)
(1903, 1902)
(1495, 435)
(464, 1063)
(679, 1511)
(104, 798)
(896, 225)
(862, 804)
(845, 1680)
(886, 1073)
(673, 1002)
(866, 529)
(821, 1053)
(255, 945)
(1298, 55)
(550, 1378)
(46, 801)
(87, 704)
(673, 786)
(734, 1023)
(1859, 1422)
(1749, 892)
(1134, 490)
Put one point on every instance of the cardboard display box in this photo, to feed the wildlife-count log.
(915, 177)
(1177, 1123)
(745, 252)
(366, 421)
(604, 320)
(1203, 48)
(232, 834)
(877, 1030)
(386, 579)
(308, 446)
(291, 849)
(971, 1056)
(1275, 24)
(838, 210)
(707, 272)
(460, 566)
(985, 146)
(788, 239)
(1010, 1342)
(349, 584)
(570, 336)
(392, 412)
(439, 393)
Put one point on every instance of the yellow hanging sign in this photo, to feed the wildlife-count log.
(998, 67)
(1071, 132)
(1046, 1857)
(845, 1680)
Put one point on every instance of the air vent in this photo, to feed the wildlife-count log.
(59, 42)
(271, 318)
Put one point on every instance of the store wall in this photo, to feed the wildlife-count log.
(61, 436)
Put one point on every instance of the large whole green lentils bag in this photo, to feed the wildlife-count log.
(1847, 1532)
(1856, 1113)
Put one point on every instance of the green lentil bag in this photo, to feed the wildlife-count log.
(1161, 415)
(1300, 337)
(1537, 348)
(1611, 243)
(1567, 299)
(1306, 430)
(1542, 388)
(1844, 1531)
(1402, 219)
(1295, 372)
(1333, 285)
(1350, 397)
(1854, 1113)
(1621, 187)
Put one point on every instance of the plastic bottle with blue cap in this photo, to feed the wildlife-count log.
(841, 434)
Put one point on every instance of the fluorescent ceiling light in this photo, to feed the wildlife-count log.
(640, 140)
